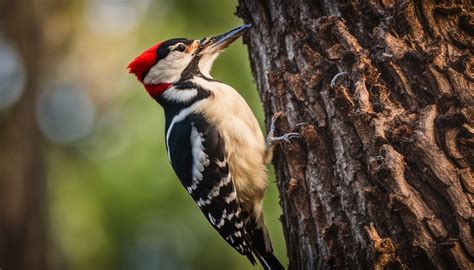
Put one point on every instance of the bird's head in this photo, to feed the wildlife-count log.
(167, 62)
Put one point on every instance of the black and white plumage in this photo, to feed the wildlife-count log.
(197, 153)
(213, 140)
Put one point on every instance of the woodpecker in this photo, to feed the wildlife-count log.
(213, 139)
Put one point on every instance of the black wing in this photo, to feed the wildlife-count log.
(197, 154)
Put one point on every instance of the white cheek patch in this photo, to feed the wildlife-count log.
(168, 69)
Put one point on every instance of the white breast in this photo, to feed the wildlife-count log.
(244, 141)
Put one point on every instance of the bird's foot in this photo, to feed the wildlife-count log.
(284, 138)
(272, 139)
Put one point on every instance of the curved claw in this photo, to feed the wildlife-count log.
(289, 136)
(285, 138)
(271, 139)
(336, 78)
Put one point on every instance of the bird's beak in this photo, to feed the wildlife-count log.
(219, 42)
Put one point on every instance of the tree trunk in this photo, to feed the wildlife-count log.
(24, 241)
(382, 177)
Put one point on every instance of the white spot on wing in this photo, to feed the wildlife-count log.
(202, 202)
(222, 220)
(221, 164)
(193, 186)
(221, 223)
(239, 225)
(214, 192)
(232, 196)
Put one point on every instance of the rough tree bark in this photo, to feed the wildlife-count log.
(382, 177)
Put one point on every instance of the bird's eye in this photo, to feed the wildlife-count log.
(181, 48)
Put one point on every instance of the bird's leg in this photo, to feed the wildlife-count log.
(272, 139)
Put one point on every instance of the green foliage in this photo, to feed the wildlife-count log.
(115, 201)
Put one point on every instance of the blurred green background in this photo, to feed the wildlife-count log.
(113, 200)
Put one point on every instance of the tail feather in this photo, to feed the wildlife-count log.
(269, 261)
(262, 246)
(251, 258)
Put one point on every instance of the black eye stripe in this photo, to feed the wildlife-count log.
(164, 50)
